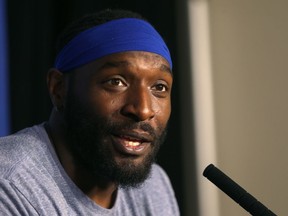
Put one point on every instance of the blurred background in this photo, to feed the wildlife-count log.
(229, 95)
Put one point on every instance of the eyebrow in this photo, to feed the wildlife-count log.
(116, 64)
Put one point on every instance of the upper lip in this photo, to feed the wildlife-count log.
(135, 136)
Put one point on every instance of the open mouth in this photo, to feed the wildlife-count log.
(131, 144)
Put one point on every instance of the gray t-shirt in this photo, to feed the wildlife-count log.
(33, 182)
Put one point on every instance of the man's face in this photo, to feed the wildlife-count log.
(117, 109)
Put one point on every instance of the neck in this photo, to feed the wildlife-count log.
(100, 189)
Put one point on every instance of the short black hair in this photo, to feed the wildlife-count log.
(91, 20)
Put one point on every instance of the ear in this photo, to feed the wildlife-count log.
(56, 87)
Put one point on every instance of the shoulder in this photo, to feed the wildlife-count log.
(16, 148)
(29, 176)
(12, 202)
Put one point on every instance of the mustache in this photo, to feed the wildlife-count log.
(124, 126)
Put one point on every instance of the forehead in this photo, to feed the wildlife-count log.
(137, 58)
(130, 59)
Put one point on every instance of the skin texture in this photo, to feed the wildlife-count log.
(105, 109)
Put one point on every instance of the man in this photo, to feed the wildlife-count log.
(110, 88)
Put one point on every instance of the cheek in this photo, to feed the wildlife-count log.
(163, 111)
(103, 104)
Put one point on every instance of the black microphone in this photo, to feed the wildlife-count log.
(236, 192)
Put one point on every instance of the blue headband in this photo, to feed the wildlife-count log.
(127, 34)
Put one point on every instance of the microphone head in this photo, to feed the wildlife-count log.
(236, 192)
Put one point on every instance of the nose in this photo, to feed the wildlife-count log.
(139, 104)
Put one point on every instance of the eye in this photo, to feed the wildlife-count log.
(160, 88)
(116, 82)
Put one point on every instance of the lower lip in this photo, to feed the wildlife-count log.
(120, 146)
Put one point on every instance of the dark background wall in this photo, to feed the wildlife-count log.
(33, 27)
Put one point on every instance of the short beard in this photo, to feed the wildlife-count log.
(86, 132)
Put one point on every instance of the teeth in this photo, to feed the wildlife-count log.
(133, 144)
